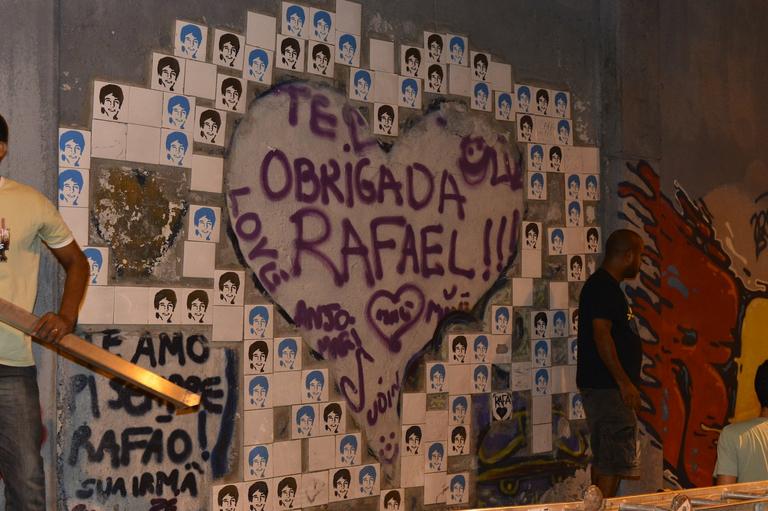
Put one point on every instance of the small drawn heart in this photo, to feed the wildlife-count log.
(393, 314)
(501, 412)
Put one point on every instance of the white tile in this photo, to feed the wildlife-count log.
(341, 484)
(413, 62)
(227, 323)
(458, 488)
(111, 101)
(143, 144)
(322, 453)
(414, 407)
(200, 79)
(304, 421)
(366, 480)
(381, 55)
(145, 107)
(178, 112)
(228, 49)
(207, 173)
(191, 40)
(199, 259)
(295, 20)
(108, 140)
(98, 306)
(131, 305)
(348, 15)
(391, 499)
(220, 491)
(362, 85)
(73, 188)
(501, 319)
(204, 224)
(436, 426)
(258, 461)
(289, 383)
(230, 93)
(164, 306)
(541, 409)
(500, 76)
(167, 73)
(531, 265)
(333, 418)
(482, 99)
(175, 148)
(411, 471)
(261, 30)
(458, 378)
(522, 292)
(257, 356)
(198, 309)
(320, 59)
(459, 81)
(77, 221)
(258, 64)
(542, 438)
(98, 261)
(386, 118)
(210, 126)
(558, 295)
(387, 87)
(257, 392)
(435, 488)
(323, 25)
(502, 109)
(348, 48)
(437, 79)
(313, 489)
(258, 321)
(289, 54)
(314, 386)
(230, 286)
(288, 354)
(74, 148)
(409, 92)
(258, 428)
(480, 62)
(436, 47)
(458, 50)
(348, 449)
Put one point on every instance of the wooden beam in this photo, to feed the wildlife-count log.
(90, 355)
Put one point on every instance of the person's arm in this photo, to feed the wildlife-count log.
(727, 465)
(52, 327)
(723, 479)
(606, 348)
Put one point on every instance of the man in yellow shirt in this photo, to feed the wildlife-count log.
(742, 450)
(28, 221)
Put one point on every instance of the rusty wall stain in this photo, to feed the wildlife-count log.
(139, 214)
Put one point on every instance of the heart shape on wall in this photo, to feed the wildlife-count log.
(369, 248)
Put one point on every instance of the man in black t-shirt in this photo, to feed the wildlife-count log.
(608, 365)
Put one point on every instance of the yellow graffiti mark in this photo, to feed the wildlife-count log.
(754, 350)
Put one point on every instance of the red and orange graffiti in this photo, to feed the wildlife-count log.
(689, 303)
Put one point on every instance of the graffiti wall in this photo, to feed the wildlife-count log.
(368, 264)
(699, 301)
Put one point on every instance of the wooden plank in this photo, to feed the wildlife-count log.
(88, 354)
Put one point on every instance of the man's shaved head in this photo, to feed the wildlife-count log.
(619, 242)
(622, 254)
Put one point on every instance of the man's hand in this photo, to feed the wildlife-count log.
(52, 327)
(630, 395)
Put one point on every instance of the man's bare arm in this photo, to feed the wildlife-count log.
(723, 479)
(606, 348)
(52, 327)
